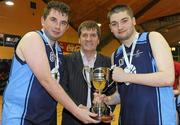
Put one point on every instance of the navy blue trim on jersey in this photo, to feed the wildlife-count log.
(26, 100)
(140, 104)
(17, 57)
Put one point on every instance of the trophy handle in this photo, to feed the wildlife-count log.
(88, 70)
(110, 77)
(110, 84)
(110, 74)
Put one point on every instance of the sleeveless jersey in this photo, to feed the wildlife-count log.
(25, 101)
(140, 104)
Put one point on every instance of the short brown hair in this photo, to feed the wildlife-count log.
(120, 8)
(89, 24)
(59, 6)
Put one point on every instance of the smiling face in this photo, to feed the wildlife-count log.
(88, 39)
(55, 24)
(122, 25)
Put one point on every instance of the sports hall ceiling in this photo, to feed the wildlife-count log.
(158, 15)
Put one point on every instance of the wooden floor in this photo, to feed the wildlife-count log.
(59, 112)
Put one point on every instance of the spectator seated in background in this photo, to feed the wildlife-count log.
(176, 87)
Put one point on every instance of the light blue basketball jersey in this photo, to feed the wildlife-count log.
(25, 101)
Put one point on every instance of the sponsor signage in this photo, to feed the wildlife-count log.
(69, 47)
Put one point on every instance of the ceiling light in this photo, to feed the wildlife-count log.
(9, 2)
(173, 49)
(99, 24)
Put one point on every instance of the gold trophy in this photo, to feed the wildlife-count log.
(99, 79)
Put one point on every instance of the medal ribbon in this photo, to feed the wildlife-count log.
(130, 68)
(54, 71)
(129, 61)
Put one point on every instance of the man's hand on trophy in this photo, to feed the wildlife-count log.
(98, 98)
(86, 116)
(107, 115)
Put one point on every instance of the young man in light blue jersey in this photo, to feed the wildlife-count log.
(33, 86)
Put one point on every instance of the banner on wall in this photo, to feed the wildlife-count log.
(10, 40)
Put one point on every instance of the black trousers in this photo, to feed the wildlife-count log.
(54, 119)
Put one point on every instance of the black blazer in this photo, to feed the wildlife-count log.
(74, 83)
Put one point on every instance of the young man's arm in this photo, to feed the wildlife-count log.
(31, 49)
(163, 58)
(113, 99)
(109, 100)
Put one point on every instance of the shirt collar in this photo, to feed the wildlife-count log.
(86, 62)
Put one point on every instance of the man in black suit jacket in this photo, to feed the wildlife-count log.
(73, 81)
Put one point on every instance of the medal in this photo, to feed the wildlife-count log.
(130, 68)
(55, 73)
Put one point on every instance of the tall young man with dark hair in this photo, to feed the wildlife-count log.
(33, 87)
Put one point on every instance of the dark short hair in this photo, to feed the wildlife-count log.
(56, 5)
(89, 24)
(120, 8)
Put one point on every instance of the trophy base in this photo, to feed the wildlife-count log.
(105, 119)
(103, 111)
